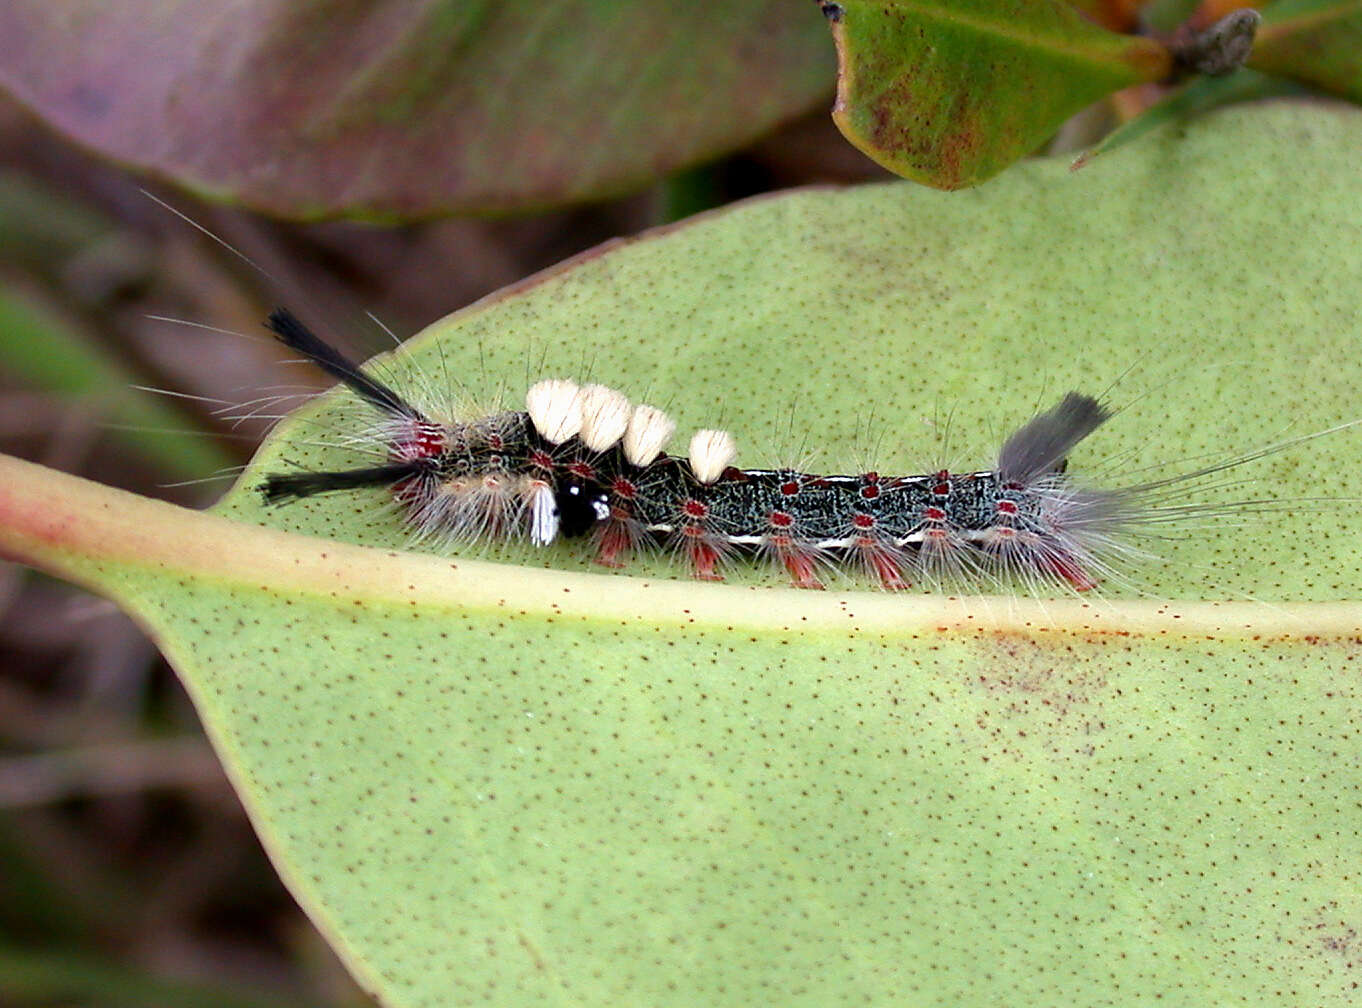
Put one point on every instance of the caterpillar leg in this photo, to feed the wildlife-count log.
(799, 561)
(704, 556)
(1066, 568)
(617, 537)
(884, 561)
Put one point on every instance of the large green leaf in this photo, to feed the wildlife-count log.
(397, 110)
(498, 784)
(951, 92)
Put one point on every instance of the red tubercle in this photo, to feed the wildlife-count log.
(870, 491)
(424, 440)
(1007, 507)
(624, 489)
(933, 514)
(541, 460)
(943, 484)
(695, 509)
(789, 488)
(780, 520)
(584, 471)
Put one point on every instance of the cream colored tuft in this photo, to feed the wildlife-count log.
(711, 452)
(555, 409)
(649, 431)
(605, 416)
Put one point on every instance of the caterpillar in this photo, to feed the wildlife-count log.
(586, 462)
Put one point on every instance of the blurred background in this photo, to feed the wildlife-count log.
(129, 874)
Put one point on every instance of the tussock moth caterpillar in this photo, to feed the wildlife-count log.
(585, 462)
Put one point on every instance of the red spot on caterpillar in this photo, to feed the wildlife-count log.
(542, 460)
(624, 489)
(861, 520)
(870, 492)
(934, 514)
(693, 508)
(780, 519)
(1007, 507)
(582, 470)
(943, 484)
(425, 440)
(790, 488)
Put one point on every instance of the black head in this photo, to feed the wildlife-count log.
(581, 504)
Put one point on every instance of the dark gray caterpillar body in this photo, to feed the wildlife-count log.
(584, 461)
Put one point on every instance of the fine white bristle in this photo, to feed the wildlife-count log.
(543, 514)
(605, 416)
(648, 433)
(555, 409)
(711, 452)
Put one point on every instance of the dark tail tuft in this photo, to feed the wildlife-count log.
(1043, 442)
(280, 488)
(294, 334)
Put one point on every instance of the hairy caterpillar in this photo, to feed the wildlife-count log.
(586, 462)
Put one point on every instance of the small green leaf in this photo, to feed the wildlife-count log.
(951, 92)
(508, 785)
(1316, 42)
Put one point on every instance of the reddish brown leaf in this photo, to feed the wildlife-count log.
(393, 109)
